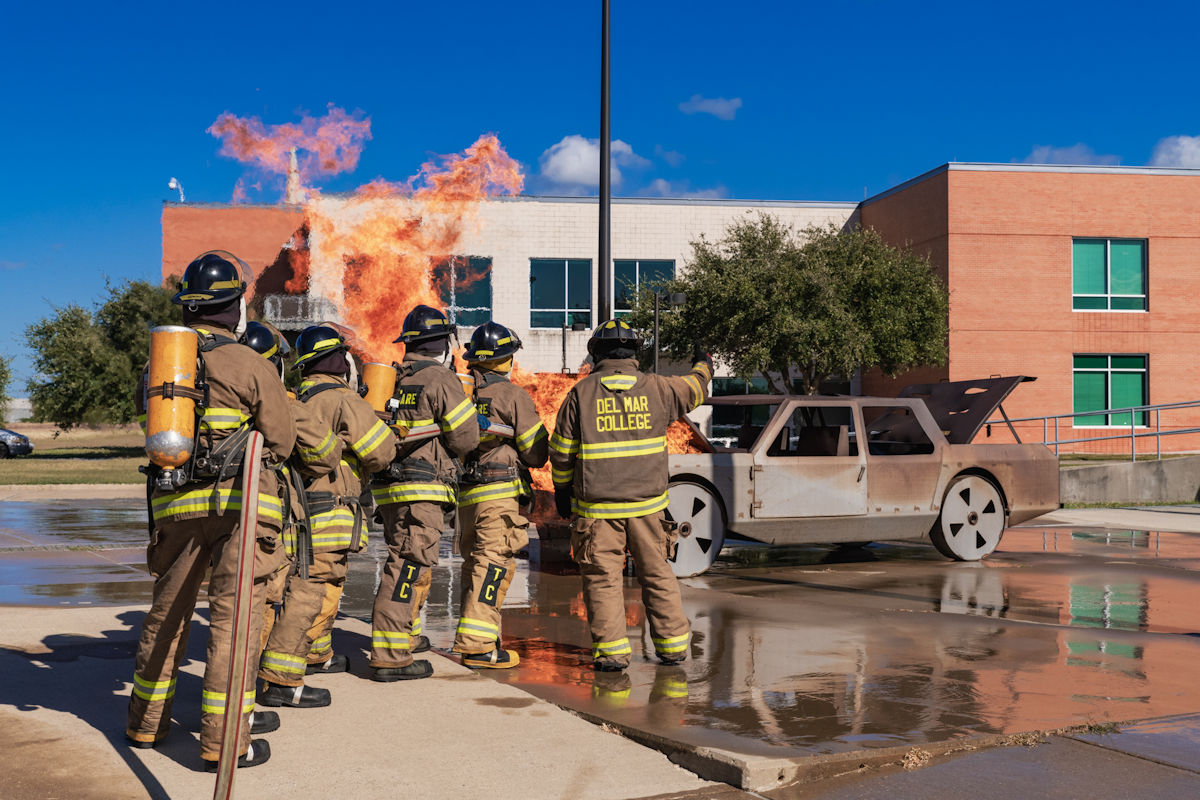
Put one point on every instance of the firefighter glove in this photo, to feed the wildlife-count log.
(562, 500)
(699, 354)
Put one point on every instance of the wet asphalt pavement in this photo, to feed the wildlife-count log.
(796, 651)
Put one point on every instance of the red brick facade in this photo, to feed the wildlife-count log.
(1003, 237)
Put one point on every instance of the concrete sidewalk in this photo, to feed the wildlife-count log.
(66, 681)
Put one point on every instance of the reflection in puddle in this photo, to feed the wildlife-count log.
(800, 649)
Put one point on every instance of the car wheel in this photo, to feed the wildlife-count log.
(3, 450)
(697, 512)
(972, 519)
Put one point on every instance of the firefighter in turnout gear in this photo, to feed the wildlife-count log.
(494, 484)
(195, 525)
(436, 423)
(608, 457)
(318, 452)
(334, 515)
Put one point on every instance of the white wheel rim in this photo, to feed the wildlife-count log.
(972, 518)
(701, 530)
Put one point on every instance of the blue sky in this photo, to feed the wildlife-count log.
(780, 100)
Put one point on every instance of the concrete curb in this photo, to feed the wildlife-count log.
(760, 774)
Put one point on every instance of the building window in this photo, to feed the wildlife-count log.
(465, 284)
(630, 276)
(1108, 274)
(560, 291)
(1103, 382)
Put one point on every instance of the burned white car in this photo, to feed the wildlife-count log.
(797, 469)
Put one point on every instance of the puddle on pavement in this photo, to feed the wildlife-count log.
(795, 650)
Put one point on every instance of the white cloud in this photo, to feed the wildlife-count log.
(1177, 151)
(719, 107)
(660, 187)
(1075, 154)
(575, 161)
(672, 157)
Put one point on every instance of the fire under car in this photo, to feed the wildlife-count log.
(803, 469)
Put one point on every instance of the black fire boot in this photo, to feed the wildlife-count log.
(608, 665)
(496, 659)
(141, 745)
(415, 670)
(293, 696)
(420, 644)
(263, 722)
(259, 753)
(338, 663)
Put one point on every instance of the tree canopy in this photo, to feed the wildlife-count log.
(817, 304)
(5, 380)
(87, 363)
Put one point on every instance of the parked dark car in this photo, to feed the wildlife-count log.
(14, 444)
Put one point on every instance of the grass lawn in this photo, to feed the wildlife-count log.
(108, 454)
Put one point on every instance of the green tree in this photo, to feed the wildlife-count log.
(821, 304)
(87, 363)
(5, 380)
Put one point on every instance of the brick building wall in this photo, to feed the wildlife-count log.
(1008, 233)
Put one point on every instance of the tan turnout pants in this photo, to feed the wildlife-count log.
(178, 556)
(598, 546)
(413, 532)
(491, 532)
(321, 633)
(285, 657)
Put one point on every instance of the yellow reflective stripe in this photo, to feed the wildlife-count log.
(320, 451)
(416, 627)
(321, 644)
(619, 510)
(489, 491)
(225, 285)
(370, 440)
(564, 445)
(406, 426)
(527, 439)
(215, 503)
(326, 343)
(632, 447)
(328, 519)
(223, 419)
(703, 365)
(675, 644)
(469, 626)
(283, 662)
(562, 475)
(697, 390)
(141, 421)
(214, 702)
(672, 688)
(618, 647)
(153, 690)
(460, 414)
(413, 493)
(505, 340)
(390, 640)
(618, 382)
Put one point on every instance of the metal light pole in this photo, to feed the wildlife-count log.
(605, 292)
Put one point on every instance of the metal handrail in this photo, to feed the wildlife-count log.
(1133, 434)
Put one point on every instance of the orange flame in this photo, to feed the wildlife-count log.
(328, 145)
(373, 253)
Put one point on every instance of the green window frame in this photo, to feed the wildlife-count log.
(1108, 274)
(630, 273)
(560, 292)
(465, 285)
(1103, 382)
